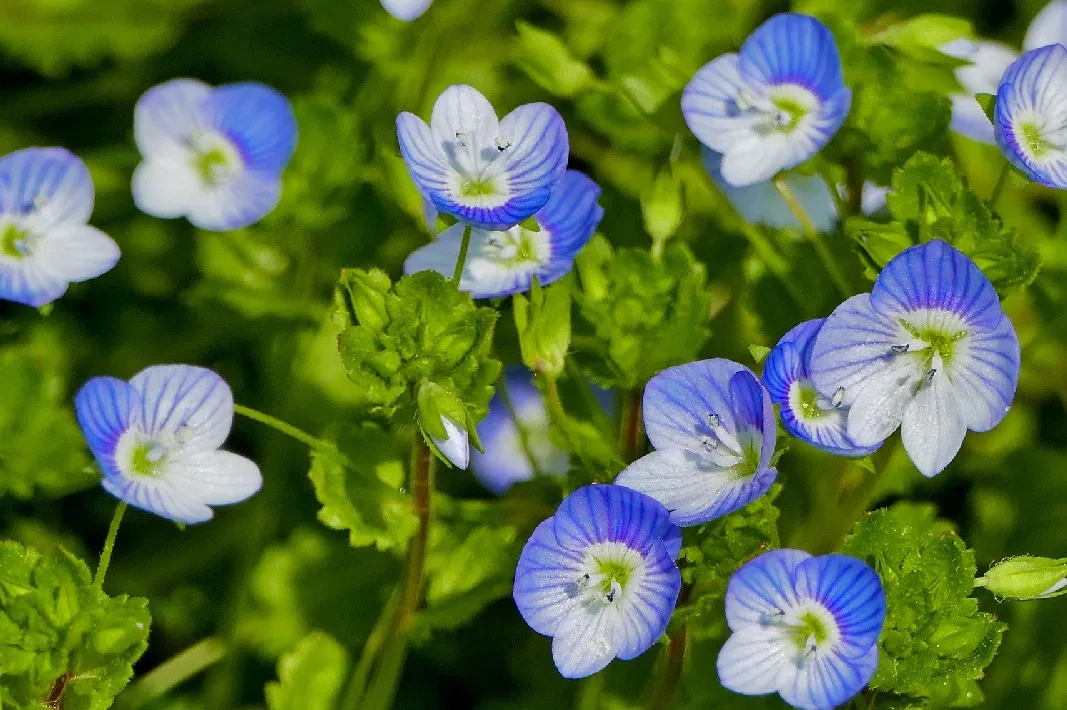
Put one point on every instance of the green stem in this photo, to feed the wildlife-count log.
(556, 413)
(588, 696)
(357, 686)
(843, 208)
(673, 661)
(1002, 181)
(109, 546)
(813, 236)
(630, 425)
(313, 443)
(464, 246)
(173, 672)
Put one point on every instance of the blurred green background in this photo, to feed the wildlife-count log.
(251, 304)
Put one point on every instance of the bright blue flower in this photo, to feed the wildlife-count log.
(156, 439)
(599, 577)
(803, 627)
(805, 413)
(214, 156)
(712, 425)
(929, 350)
(406, 10)
(501, 263)
(505, 461)
(774, 104)
(1029, 123)
(46, 198)
(486, 173)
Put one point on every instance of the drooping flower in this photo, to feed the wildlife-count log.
(805, 413)
(213, 155)
(712, 425)
(774, 104)
(989, 61)
(157, 437)
(406, 10)
(501, 263)
(488, 173)
(1030, 125)
(804, 627)
(929, 350)
(46, 243)
(599, 577)
(508, 451)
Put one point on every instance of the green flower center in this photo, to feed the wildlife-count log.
(940, 342)
(790, 113)
(212, 166)
(478, 188)
(1035, 141)
(613, 571)
(147, 458)
(808, 400)
(810, 629)
(13, 242)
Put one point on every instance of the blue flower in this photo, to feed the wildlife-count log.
(501, 263)
(406, 10)
(929, 350)
(214, 156)
(486, 173)
(712, 425)
(803, 627)
(506, 461)
(157, 436)
(1029, 124)
(774, 104)
(599, 577)
(989, 61)
(456, 446)
(46, 198)
(805, 413)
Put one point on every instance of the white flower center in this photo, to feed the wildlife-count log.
(214, 158)
(479, 179)
(507, 254)
(722, 448)
(608, 575)
(16, 242)
(781, 108)
(141, 454)
(809, 626)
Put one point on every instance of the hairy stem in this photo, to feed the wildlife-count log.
(630, 426)
(109, 545)
(464, 246)
(1002, 181)
(284, 427)
(813, 236)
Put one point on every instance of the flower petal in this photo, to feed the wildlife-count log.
(585, 641)
(826, 681)
(545, 580)
(571, 216)
(989, 62)
(192, 402)
(462, 114)
(933, 429)
(878, 405)
(984, 371)
(258, 120)
(46, 188)
(797, 49)
(242, 201)
(425, 159)
(710, 104)
(406, 10)
(762, 588)
(852, 592)
(159, 497)
(752, 659)
(1048, 26)
(215, 477)
(77, 252)
(1031, 98)
(757, 158)
(536, 160)
(167, 115)
(456, 448)
(644, 610)
(106, 408)
(30, 282)
(165, 187)
(611, 513)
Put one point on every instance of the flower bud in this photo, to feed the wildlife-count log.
(443, 420)
(1026, 577)
(362, 293)
(661, 206)
(544, 326)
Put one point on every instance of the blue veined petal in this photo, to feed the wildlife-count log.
(484, 275)
(1048, 26)
(159, 497)
(985, 372)
(464, 128)
(585, 642)
(106, 408)
(751, 660)
(763, 588)
(258, 120)
(238, 203)
(609, 513)
(215, 477)
(30, 282)
(932, 426)
(77, 252)
(710, 104)
(544, 580)
(191, 402)
(748, 398)
(571, 215)
(645, 609)
(456, 447)
(45, 188)
(989, 60)
(167, 115)
(793, 49)
(781, 369)
(1030, 113)
(406, 10)
(826, 680)
(852, 592)
(425, 159)
(692, 490)
(935, 275)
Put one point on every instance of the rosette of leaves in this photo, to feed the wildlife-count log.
(63, 642)
(647, 314)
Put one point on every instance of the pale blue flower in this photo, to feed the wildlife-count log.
(502, 263)
(712, 425)
(213, 155)
(599, 577)
(774, 104)
(488, 173)
(157, 437)
(456, 446)
(929, 350)
(1030, 123)
(805, 413)
(46, 243)
(406, 10)
(1048, 26)
(804, 627)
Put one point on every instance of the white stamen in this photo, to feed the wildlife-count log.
(781, 119)
(503, 143)
(900, 349)
(745, 100)
(927, 379)
(156, 453)
(839, 397)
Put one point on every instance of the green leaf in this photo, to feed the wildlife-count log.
(988, 102)
(549, 63)
(661, 206)
(929, 31)
(311, 676)
(61, 638)
(759, 352)
(934, 633)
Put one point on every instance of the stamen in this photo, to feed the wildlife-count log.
(810, 645)
(900, 349)
(157, 452)
(708, 443)
(838, 398)
(503, 143)
(928, 378)
(713, 420)
(781, 119)
(745, 100)
(610, 596)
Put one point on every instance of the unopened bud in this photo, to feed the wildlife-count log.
(1026, 577)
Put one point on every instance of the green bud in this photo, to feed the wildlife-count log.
(1026, 577)
(363, 295)
(434, 405)
(592, 264)
(661, 206)
(544, 326)
(549, 63)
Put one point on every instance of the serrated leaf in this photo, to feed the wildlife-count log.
(311, 676)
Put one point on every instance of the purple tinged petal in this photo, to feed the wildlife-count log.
(191, 402)
(544, 578)
(1031, 97)
(852, 592)
(584, 643)
(46, 188)
(747, 398)
(258, 120)
(709, 104)
(106, 408)
(160, 498)
(827, 681)
(537, 157)
(793, 49)
(425, 160)
(763, 588)
(985, 373)
(571, 215)
(167, 115)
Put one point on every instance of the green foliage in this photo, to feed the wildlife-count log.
(543, 323)
(647, 314)
(935, 641)
(549, 62)
(311, 676)
(930, 201)
(62, 640)
(420, 329)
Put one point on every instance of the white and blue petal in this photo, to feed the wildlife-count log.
(159, 497)
(1030, 122)
(711, 108)
(1048, 26)
(456, 446)
(984, 371)
(989, 61)
(106, 408)
(570, 217)
(751, 660)
(406, 10)
(259, 122)
(544, 579)
(827, 681)
(168, 115)
(762, 588)
(852, 592)
(192, 403)
(44, 188)
(790, 48)
(216, 477)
